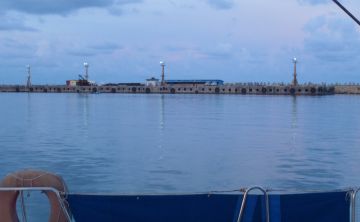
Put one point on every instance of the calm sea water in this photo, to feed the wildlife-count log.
(183, 143)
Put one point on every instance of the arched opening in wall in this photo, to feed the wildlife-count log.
(148, 90)
(31, 89)
(229, 89)
(313, 90)
(243, 91)
(332, 89)
(270, 90)
(94, 90)
(45, 90)
(196, 92)
(172, 91)
(306, 90)
(320, 89)
(257, 90)
(133, 89)
(263, 90)
(17, 89)
(217, 90)
(236, 90)
(277, 90)
(285, 90)
(210, 89)
(78, 91)
(292, 91)
(250, 90)
(59, 90)
(299, 90)
(113, 90)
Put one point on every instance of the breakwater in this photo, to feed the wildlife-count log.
(252, 89)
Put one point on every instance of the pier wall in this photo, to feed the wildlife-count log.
(347, 89)
(183, 89)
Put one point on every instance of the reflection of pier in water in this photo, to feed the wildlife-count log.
(306, 165)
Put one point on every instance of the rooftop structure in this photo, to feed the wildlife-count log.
(152, 82)
(210, 82)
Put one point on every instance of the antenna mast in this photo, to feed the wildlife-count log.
(295, 82)
(86, 65)
(162, 64)
(28, 82)
(347, 11)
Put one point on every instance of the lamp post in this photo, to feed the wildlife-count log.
(295, 82)
(86, 65)
(162, 64)
(28, 82)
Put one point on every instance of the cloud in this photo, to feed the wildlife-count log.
(58, 6)
(9, 23)
(221, 4)
(332, 38)
(10, 48)
(220, 51)
(314, 2)
(93, 50)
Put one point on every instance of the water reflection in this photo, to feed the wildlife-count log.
(84, 104)
(309, 163)
(294, 121)
(159, 143)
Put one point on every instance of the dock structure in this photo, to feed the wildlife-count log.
(238, 88)
(199, 86)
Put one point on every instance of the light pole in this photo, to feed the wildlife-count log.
(86, 65)
(28, 82)
(162, 64)
(295, 82)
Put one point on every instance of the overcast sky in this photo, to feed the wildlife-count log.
(124, 40)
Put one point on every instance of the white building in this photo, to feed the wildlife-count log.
(152, 82)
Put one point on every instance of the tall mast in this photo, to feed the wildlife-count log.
(28, 82)
(162, 64)
(295, 82)
(86, 66)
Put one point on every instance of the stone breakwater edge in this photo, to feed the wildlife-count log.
(242, 89)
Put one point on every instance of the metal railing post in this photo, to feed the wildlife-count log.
(243, 204)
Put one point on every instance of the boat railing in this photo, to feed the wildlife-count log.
(265, 193)
(243, 204)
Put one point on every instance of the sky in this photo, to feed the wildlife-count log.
(232, 40)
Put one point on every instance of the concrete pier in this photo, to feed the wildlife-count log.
(242, 89)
